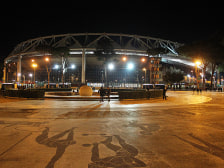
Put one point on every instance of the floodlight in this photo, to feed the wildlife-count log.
(130, 66)
(110, 66)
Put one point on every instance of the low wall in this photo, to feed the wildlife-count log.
(140, 94)
(24, 93)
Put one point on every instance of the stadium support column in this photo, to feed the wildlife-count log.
(19, 69)
(83, 66)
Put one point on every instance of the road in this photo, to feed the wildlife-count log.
(184, 131)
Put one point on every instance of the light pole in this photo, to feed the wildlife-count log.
(55, 74)
(144, 69)
(124, 58)
(24, 79)
(111, 68)
(47, 60)
(143, 60)
(30, 75)
(197, 63)
(130, 67)
(71, 77)
(34, 65)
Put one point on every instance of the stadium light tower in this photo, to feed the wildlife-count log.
(73, 66)
(110, 66)
(56, 66)
(130, 66)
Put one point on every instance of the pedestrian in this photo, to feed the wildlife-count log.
(147, 88)
(102, 93)
(197, 90)
(108, 94)
(164, 92)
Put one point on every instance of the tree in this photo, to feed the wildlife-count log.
(221, 67)
(104, 52)
(173, 76)
(62, 52)
(46, 50)
(209, 51)
(196, 50)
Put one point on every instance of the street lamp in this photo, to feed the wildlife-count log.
(124, 58)
(144, 69)
(34, 65)
(24, 79)
(143, 60)
(48, 71)
(31, 75)
(56, 67)
(197, 63)
(47, 59)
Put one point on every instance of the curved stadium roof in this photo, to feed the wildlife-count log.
(122, 43)
(89, 40)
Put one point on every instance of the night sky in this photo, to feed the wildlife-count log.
(176, 22)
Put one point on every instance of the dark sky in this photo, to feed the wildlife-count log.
(176, 22)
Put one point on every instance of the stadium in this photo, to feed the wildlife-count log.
(96, 59)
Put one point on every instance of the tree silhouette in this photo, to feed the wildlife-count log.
(173, 76)
(104, 52)
(62, 52)
(209, 51)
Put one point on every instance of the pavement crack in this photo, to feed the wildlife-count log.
(11, 147)
(208, 148)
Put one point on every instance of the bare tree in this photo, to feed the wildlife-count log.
(104, 52)
(209, 51)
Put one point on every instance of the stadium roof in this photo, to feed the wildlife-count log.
(123, 44)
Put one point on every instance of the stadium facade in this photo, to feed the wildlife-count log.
(35, 62)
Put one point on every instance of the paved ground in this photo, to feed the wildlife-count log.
(185, 131)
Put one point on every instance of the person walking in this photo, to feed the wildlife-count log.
(102, 93)
(164, 92)
(108, 94)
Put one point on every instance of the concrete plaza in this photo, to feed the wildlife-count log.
(185, 131)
